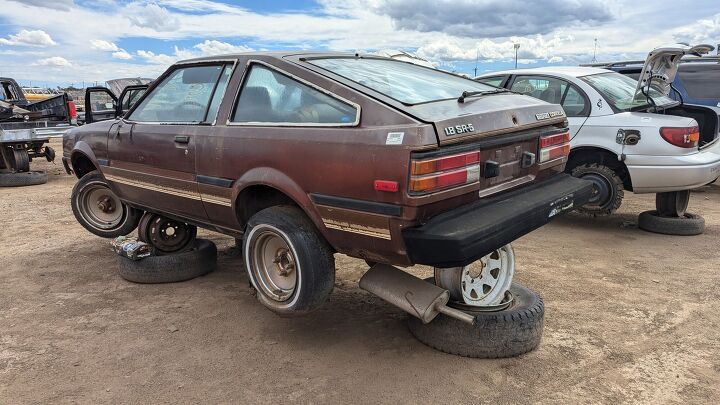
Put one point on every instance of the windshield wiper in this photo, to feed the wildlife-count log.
(466, 94)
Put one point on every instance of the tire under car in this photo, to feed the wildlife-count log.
(199, 260)
(506, 333)
(686, 225)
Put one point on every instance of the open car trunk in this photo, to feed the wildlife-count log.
(708, 119)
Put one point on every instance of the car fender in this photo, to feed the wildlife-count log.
(278, 180)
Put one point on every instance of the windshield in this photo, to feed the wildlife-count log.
(619, 91)
(404, 82)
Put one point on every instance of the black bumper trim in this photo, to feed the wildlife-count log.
(463, 235)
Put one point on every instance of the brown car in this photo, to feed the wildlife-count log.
(303, 155)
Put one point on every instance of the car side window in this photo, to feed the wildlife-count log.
(493, 81)
(268, 96)
(132, 97)
(101, 101)
(574, 103)
(545, 88)
(182, 97)
(219, 93)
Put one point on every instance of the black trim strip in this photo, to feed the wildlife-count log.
(215, 181)
(358, 205)
(103, 162)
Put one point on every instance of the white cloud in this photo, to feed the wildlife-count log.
(102, 45)
(455, 49)
(29, 38)
(213, 47)
(56, 61)
(703, 31)
(54, 4)
(152, 16)
(122, 54)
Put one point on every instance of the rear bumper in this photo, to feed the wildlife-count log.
(659, 174)
(461, 236)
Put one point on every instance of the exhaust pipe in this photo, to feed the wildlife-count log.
(411, 294)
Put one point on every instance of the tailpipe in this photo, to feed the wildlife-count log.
(411, 294)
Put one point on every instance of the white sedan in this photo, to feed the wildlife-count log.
(629, 135)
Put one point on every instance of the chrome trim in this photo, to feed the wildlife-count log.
(506, 186)
(234, 65)
(289, 124)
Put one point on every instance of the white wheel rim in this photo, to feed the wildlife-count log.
(482, 283)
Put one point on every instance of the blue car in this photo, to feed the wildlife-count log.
(697, 81)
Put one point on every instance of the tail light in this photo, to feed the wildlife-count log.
(429, 175)
(682, 137)
(72, 109)
(554, 146)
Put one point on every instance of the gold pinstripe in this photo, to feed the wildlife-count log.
(212, 199)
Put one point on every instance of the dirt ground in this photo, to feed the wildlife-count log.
(630, 317)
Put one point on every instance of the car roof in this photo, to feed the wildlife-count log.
(567, 71)
(275, 54)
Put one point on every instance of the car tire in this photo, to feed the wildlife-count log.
(299, 276)
(687, 225)
(201, 259)
(127, 219)
(22, 179)
(608, 181)
(507, 333)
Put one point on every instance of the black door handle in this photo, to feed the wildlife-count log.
(182, 139)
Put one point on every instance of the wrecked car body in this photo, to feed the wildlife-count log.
(308, 154)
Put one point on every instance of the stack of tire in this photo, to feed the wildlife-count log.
(15, 169)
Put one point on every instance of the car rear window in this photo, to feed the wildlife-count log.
(402, 81)
(701, 81)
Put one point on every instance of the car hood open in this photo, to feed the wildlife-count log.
(661, 66)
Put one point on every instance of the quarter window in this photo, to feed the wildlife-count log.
(182, 97)
(272, 97)
(574, 103)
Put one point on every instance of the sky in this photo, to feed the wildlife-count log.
(63, 42)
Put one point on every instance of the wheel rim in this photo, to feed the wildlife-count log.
(167, 235)
(274, 264)
(482, 283)
(100, 207)
(602, 189)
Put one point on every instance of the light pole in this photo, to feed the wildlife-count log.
(516, 46)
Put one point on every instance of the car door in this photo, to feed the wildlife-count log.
(100, 104)
(556, 91)
(152, 151)
(271, 110)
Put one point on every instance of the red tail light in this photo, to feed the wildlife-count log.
(682, 137)
(554, 146)
(73, 110)
(429, 175)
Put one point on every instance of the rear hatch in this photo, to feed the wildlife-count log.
(486, 116)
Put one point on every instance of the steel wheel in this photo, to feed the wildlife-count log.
(482, 283)
(274, 263)
(166, 235)
(100, 207)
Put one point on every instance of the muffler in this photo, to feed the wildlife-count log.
(411, 294)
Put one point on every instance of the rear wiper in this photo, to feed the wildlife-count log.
(466, 94)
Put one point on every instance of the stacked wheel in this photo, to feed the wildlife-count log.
(17, 161)
(671, 217)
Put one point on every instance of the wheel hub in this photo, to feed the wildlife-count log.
(105, 204)
(482, 283)
(284, 262)
(601, 189)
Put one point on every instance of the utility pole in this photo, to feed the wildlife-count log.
(477, 56)
(516, 46)
(594, 60)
